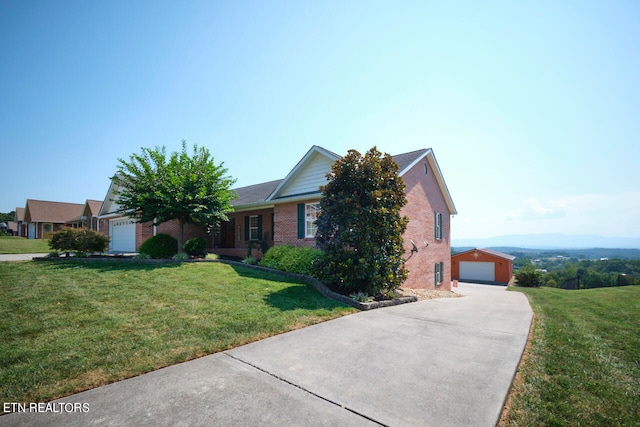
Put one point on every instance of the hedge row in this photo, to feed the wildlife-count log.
(294, 259)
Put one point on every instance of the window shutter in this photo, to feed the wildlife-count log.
(301, 220)
(259, 227)
(246, 228)
(442, 272)
(273, 226)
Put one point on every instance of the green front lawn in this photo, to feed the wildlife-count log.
(583, 364)
(68, 326)
(21, 245)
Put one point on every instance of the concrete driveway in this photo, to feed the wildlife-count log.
(443, 362)
(20, 257)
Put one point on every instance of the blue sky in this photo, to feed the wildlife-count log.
(532, 108)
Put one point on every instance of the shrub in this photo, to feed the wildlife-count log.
(63, 240)
(142, 256)
(250, 261)
(195, 246)
(360, 225)
(180, 257)
(529, 278)
(81, 240)
(91, 241)
(160, 246)
(294, 259)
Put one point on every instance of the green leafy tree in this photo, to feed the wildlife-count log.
(360, 227)
(190, 189)
(6, 217)
(529, 277)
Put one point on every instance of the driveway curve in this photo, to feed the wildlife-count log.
(441, 362)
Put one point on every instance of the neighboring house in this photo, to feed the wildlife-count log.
(43, 218)
(89, 216)
(12, 228)
(20, 224)
(283, 212)
(127, 234)
(482, 266)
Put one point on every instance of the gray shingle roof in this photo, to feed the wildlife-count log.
(257, 193)
(254, 193)
(404, 160)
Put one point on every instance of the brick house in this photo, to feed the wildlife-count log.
(126, 234)
(89, 216)
(21, 226)
(283, 212)
(43, 218)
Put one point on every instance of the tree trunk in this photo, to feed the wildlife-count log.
(180, 235)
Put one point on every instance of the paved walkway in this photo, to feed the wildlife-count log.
(20, 257)
(443, 362)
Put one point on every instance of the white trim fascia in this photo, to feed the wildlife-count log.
(302, 197)
(415, 162)
(112, 215)
(251, 207)
(273, 203)
(106, 199)
(314, 149)
(441, 183)
(433, 164)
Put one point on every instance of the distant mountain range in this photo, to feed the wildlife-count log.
(550, 241)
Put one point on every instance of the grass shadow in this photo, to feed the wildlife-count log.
(110, 265)
(299, 296)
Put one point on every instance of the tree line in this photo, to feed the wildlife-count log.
(582, 274)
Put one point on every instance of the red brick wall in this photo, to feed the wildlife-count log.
(103, 226)
(190, 230)
(424, 198)
(239, 233)
(286, 225)
(145, 230)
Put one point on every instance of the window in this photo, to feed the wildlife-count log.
(439, 232)
(439, 273)
(311, 215)
(253, 228)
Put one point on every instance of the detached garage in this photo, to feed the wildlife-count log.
(482, 266)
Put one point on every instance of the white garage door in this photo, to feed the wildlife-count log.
(482, 271)
(123, 235)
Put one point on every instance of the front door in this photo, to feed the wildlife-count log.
(47, 231)
(227, 235)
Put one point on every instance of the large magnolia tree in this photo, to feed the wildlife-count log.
(360, 227)
(190, 189)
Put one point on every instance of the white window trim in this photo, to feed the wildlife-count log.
(307, 234)
(253, 228)
(439, 273)
(439, 226)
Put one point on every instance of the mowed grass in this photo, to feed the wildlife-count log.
(67, 326)
(21, 245)
(583, 364)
